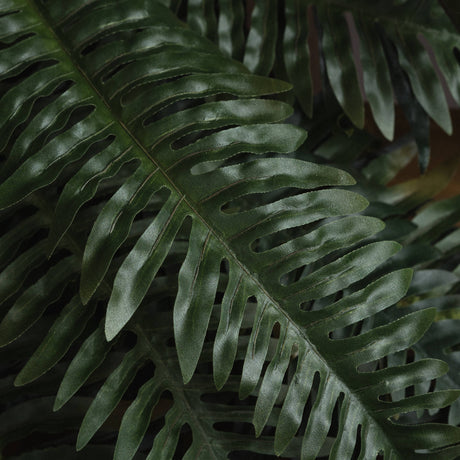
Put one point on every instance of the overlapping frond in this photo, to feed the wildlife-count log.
(436, 284)
(157, 146)
(431, 243)
(366, 51)
(42, 317)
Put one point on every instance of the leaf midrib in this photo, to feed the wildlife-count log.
(158, 360)
(227, 249)
(170, 377)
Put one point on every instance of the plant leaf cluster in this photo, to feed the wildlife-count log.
(182, 275)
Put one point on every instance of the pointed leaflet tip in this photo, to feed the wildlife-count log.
(81, 442)
(387, 129)
(115, 320)
(279, 86)
(302, 137)
(258, 429)
(219, 383)
(85, 293)
(406, 275)
(57, 404)
(187, 368)
(220, 378)
(19, 381)
(112, 326)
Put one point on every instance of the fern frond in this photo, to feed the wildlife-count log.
(160, 143)
(391, 58)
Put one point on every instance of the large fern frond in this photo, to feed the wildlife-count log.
(101, 90)
(436, 284)
(431, 243)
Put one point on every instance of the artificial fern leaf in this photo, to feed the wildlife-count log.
(297, 54)
(340, 67)
(157, 145)
(430, 241)
(88, 358)
(109, 396)
(392, 55)
(137, 418)
(33, 301)
(66, 329)
(430, 244)
(260, 49)
(435, 284)
(376, 76)
(436, 219)
(444, 331)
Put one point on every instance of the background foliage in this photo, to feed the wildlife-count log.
(186, 274)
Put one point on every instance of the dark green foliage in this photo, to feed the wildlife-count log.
(178, 264)
(379, 49)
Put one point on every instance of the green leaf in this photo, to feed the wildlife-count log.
(340, 67)
(198, 279)
(32, 303)
(424, 81)
(88, 358)
(109, 396)
(420, 33)
(259, 54)
(376, 77)
(161, 166)
(141, 265)
(136, 420)
(297, 53)
(60, 337)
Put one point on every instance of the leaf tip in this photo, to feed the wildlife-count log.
(258, 429)
(85, 293)
(219, 382)
(80, 445)
(83, 438)
(244, 392)
(396, 246)
(20, 381)
(58, 403)
(441, 366)
(388, 132)
(280, 446)
(350, 180)
(282, 86)
(187, 370)
(303, 135)
(363, 203)
(111, 329)
(407, 274)
(430, 314)
(62, 396)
